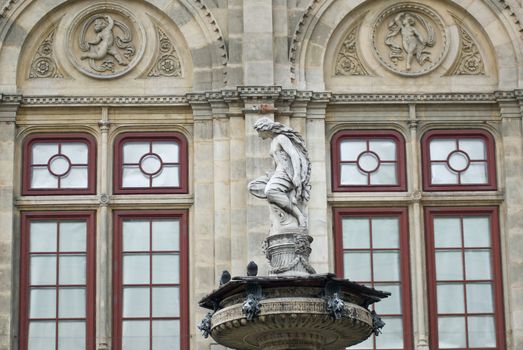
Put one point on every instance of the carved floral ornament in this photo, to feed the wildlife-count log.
(348, 60)
(105, 41)
(43, 64)
(409, 39)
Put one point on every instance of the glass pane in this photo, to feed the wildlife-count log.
(386, 266)
(366, 345)
(440, 149)
(71, 302)
(475, 148)
(166, 302)
(442, 174)
(386, 149)
(76, 152)
(136, 235)
(451, 332)
(76, 178)
(476, 231)
(392, 304)
(447, 232)
(136, 302)
(477, 265)
(368, 162)
(385, 233)
(133, 177)
(351, 149)
(477, 173)
(449, 265)
(166, 235)
(71, 335)
(72, 269)
(482, 332)
(357, 266)
(167, 150)
(166, 335)
(41, 152)
(133, 151)
(479, 298)
(351, 175)
(42, 335)
(135, 335)
(73, 235)
(43, 236)
(392, 336)
(136, 269)
(385, 175)
(356, 233)
(168, 177)
(42, 178)
(43, 303)
(59, 165)
(166, 268)
(43, 269)
(450, 298)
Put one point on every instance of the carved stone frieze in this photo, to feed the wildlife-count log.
(105, 41)
(410, 39)
(348, 58)
(469, 60)
(167, 63)
(43, 64)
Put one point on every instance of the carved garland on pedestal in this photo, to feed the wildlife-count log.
(43, 64)
(348, 59)
(469, 61)
(167, 63)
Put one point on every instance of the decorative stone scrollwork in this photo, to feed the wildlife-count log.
(105, 41)
(44, 64)
(348, 61)
(205, 325)
(167, 63)
(251, 307)
(469, 61)
(410, 39)
(377, 323)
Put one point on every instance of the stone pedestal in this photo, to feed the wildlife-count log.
(288, 252)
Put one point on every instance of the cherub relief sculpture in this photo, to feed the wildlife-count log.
(106, 43)
(287, 186)
(413, 42)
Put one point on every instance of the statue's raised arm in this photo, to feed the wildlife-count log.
(287, 186)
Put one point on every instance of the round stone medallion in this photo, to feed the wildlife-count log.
(105, 41)
(409, 39)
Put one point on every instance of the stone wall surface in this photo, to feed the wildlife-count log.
(210, 68)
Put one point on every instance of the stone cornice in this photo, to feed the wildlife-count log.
(260, 93)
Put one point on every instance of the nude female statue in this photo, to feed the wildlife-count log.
(414, 44)
(287, 185)
(103, 44)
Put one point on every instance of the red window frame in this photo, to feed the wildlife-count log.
(58, 138)
(118, 218)
(402, 215)
(492, 212)
(368, 134)
(150, 137)
(458, 134)
(25, 284)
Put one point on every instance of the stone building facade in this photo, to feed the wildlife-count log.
(116, 114)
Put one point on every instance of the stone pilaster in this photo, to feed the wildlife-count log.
(8, 247)
(316, 144)
(201, 244)
(258, 42)
(512, 212)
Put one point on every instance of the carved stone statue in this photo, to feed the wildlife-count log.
(103, 44)
(414, 43)
(286, 187)
(287, 190)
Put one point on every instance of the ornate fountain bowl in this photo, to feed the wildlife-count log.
(283, 312)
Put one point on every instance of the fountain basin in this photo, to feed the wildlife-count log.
(291, 312)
